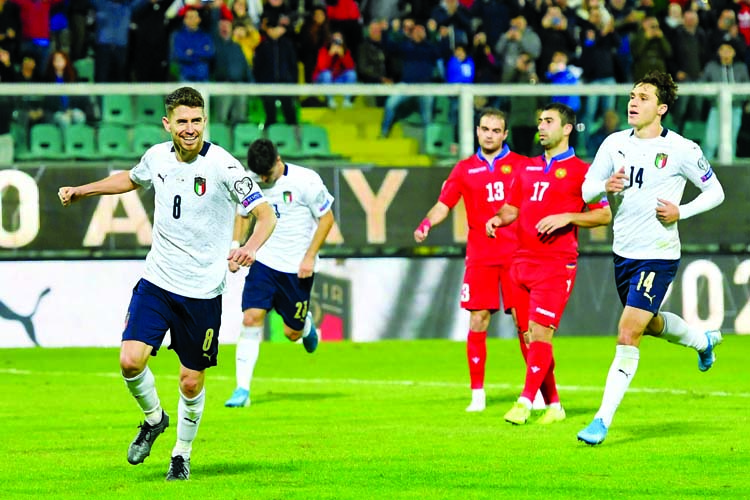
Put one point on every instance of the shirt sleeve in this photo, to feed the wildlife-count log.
(600, 170)
(319, 200)
(242, 188)
(451, 190)
(141, 173)
(697, 169)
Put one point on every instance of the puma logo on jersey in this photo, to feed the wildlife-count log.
(162, 177)
(207, 355)
(627, 375)
(649, 297)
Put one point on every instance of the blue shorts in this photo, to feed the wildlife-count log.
(268, 289)
(643, 284)
(193, 323)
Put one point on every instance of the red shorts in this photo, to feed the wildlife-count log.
(541, 291)
(483, 286)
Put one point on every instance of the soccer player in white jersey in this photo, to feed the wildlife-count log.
(643, 171)
(197, 187)
(282, 276)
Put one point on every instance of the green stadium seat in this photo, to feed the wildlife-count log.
(146, 135)
(220, 134)
(117, 108)
(243, 135)
(113, 142)
(438, 139)
(442, 109)
(149, 109)
(285, 138)
(80, 142)
(85, 69)
(315, 143)
(46, 142)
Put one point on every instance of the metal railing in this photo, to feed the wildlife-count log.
(465, 93)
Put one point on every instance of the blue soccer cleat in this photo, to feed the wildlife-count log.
(594, 433)
(240, 398)
(311, 340)
(706, 358)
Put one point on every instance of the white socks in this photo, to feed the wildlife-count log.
(308, 326)
(478, 400)
(248, 347)
(677, 331)
(621, 372)
(143, 389)
(189, 413)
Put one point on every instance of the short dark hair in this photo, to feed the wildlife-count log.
(666, 88)
(261, 156)
(184, 96)
(567, 115)
(497, 113)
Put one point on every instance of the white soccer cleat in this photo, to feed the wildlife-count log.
(478, 401)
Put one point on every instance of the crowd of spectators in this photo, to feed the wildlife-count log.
(372, 41)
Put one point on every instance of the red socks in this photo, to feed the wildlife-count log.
(539, 363)
(476, 354)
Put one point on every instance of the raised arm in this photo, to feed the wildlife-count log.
(114, 184)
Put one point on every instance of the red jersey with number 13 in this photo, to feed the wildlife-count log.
(484, 188)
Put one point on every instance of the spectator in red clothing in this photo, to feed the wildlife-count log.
(35, 27)
(346, 18)
(335, 65)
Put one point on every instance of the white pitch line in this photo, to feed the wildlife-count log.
(415, 383)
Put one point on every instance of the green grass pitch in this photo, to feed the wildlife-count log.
(381, 420)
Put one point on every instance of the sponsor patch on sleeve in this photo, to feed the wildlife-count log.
(250, 199)
(324, 207)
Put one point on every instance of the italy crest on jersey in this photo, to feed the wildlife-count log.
(661, 160)
(287, 197)
(199, 186)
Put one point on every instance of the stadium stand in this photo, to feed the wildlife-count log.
(117, 108)
(80, 142)
(46, 142)
(243, 135)
(113, 142)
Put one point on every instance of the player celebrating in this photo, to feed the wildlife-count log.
(282, 275)
(482, 181)
(546, 199)
(644, 171)
(197, 186)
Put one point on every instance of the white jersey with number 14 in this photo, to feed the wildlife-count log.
(657, 168)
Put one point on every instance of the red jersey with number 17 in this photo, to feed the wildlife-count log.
(541, 189)
(484, 188)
